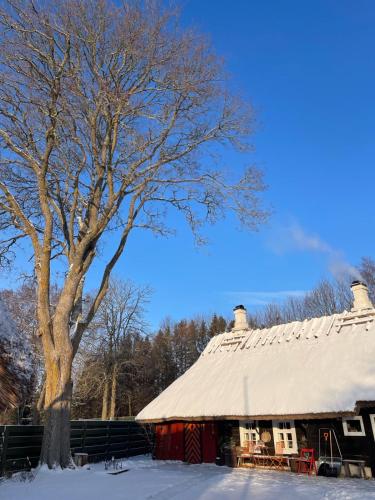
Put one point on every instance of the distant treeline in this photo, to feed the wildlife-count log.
(146, 365)
(328, 297)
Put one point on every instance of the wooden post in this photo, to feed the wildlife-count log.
(4, 451)
(84, 436)
(108, 440)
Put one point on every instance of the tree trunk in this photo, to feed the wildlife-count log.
(39, 404)
(129, 405)
(113, 392)
(58, 394)
(105, 401)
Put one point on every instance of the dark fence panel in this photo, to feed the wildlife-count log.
(20, 445)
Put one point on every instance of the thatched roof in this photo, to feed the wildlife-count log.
(320, 367)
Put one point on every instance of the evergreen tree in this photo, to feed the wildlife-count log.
(218, 325)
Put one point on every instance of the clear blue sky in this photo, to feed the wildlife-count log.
(309, 69)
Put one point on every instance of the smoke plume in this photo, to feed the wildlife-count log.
(296, 238)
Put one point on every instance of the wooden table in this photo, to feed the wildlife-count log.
(265, 457)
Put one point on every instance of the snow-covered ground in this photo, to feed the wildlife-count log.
(147, 479)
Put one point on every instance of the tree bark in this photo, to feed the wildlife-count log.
(112, 412)
(39, 404)
(129, 405)
(58, 393)
(105, 401)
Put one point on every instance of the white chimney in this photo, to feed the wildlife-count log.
(361, 298)
(240, 318)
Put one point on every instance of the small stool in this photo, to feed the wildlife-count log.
(81, 459)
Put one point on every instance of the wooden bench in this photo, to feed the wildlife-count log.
(358, 463)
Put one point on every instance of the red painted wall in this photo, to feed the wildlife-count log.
(177, 451)
(193, 442)
(162, 443)
(169, 441)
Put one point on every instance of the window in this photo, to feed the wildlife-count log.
(285, 432)
(372, 420)
(353, 426)
(249, 432)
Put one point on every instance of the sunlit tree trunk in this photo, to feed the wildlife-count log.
(105, 401)
(58, 355)
(112, 412)
(56, 438)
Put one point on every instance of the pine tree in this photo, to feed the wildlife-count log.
(218, 325)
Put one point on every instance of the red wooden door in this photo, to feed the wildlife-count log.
(177, 451)
(193, 452)
(209, 440)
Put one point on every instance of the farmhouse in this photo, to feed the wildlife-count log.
(283, 384)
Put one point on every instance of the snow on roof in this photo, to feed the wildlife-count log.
(319, 366)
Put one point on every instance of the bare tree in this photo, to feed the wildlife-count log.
(21, 304)
(325, 299)
(367, 271)
(120, 317)
(108, 118)
(293, 309)
(344, 295)
(321, 301)
(88, 383)
(271, 315)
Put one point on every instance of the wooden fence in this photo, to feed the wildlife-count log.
(20, 445)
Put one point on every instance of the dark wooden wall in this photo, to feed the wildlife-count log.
(20, 445)
(354, 447)
(307, 431)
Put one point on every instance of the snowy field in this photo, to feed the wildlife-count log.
(147, 479)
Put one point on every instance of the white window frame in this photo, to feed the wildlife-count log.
(372, 420)
(276, 438)
(353, 433)
(244, 431)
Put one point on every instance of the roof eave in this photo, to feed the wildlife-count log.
(299, 416)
